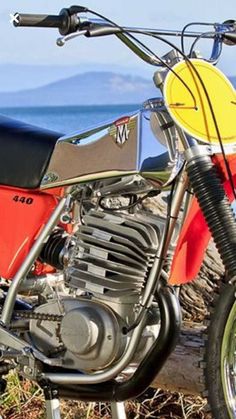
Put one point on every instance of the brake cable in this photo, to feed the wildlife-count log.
(188, 61)
(186, 58)
(192, 24)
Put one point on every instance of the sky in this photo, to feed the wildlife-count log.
(38, 46)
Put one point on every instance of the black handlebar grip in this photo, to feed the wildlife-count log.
(65, 22)
(230, 38)
(42, 21)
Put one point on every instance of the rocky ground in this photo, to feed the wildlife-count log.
(24, 401)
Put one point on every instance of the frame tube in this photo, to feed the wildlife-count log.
(29, 260)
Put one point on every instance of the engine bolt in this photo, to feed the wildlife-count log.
(65, 218)
(27, 370)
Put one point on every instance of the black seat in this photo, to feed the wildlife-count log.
(25, 152)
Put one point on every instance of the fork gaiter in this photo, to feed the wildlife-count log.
(216, 209)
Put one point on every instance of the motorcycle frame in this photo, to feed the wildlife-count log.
(192, 150)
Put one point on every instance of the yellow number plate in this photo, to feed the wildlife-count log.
(202, 101)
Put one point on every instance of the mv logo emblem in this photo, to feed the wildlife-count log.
(122, 134)
(121, 129)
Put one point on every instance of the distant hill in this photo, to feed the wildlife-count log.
(100, 88)
(15, 77)
(91, 88)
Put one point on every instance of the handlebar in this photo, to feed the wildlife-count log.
(70, 25)
(69, 22)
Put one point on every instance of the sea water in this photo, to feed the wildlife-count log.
(66, 119)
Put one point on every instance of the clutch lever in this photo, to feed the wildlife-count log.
(63, 39)
(95, 30)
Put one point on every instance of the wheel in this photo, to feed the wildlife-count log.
(220, 355)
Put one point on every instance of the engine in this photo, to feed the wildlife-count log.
(109, 260)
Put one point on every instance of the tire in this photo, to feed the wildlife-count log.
(220, 355)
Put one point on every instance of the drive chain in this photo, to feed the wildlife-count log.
(29, 315)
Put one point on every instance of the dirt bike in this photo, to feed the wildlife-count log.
(103, 273)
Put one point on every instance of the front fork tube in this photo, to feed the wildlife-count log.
(157, 267)
(214, 204)
(166, 237)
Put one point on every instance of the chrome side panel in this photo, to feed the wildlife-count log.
(118, 148)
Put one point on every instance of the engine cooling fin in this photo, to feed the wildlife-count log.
(112, 252)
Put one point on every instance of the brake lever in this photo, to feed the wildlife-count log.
(63, 39)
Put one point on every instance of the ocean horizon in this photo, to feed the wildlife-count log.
(66, 119)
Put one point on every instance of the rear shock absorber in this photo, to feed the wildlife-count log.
(215, 206)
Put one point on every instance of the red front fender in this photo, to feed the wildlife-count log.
(195, 235)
